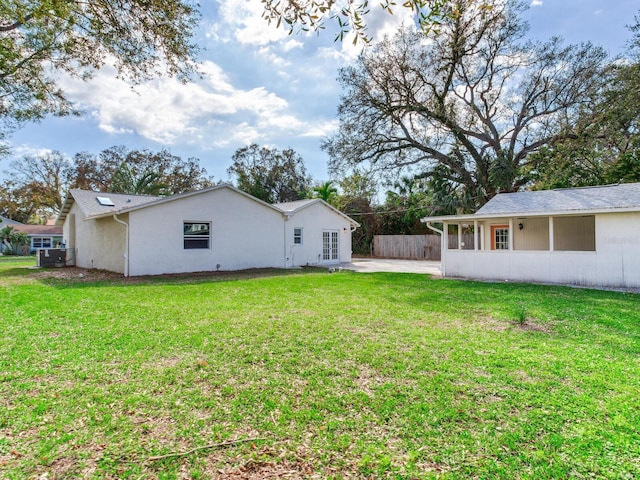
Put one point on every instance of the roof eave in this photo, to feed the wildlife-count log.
(550, 213)
(66, 208)
(290, 213)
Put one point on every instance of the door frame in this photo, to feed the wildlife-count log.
(493, 235)
(333, 245)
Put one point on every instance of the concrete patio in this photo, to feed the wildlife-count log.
(367, 265)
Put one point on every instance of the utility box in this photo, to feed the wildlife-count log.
(52, 257)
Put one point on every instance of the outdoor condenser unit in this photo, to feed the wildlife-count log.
(52, 257)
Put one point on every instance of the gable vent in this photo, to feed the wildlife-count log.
(106, 201)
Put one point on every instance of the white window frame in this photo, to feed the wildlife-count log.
(197, 236)
(41, 242)
(297, 236)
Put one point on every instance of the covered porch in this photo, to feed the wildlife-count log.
(544, 248)
(534, 233)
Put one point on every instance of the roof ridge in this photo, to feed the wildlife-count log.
(583, 187)
(115, 193)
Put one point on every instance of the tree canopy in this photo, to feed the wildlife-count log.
(118, 169)
(465, 107)
(35, 187)
(270, 174)
(351, 16)
(41, 40)
(36, 184)
(127, 180)
(603, 145)
(325, 191)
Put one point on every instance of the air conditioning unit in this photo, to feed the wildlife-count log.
(52, 257)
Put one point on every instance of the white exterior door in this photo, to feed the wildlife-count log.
(330, 247)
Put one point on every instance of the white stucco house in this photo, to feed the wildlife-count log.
(582, 236)
(218, 228)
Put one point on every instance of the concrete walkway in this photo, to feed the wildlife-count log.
(388, 265)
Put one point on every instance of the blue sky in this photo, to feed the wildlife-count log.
(261, 85)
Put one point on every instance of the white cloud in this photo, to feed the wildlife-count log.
(211, 111)
(379, 24)
(322, 129)
(292, 44)
(536, 3)
(267, 55)
(25, 150)
(241, 21)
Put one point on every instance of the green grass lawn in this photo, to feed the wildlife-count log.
(315, 375)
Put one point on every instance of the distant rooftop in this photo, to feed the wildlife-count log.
(39, 229)
(7, 221)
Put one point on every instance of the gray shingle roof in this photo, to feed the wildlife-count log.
(91, 207)
(607, 197)
(88, 203)
(7, 221)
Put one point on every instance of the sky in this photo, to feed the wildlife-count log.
(260, 85)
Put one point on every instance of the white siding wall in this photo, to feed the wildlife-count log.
(533, 236)
(615, 263)
(244, 234)
(313, 220)
(618, 247)
(99, 243)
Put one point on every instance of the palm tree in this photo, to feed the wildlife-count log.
(11, 240)
(326, 192)
(127, 180)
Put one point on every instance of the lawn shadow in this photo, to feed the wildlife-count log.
(75, 277)
(16, 272)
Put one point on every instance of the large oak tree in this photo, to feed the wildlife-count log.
(465, 107)
(270, 174)
(603, 146)
(118, 169)
(43, 39)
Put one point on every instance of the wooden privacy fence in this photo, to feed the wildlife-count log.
(415, 247)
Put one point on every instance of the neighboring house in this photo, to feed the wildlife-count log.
(218, 228)
(41, 236)
(582, 236)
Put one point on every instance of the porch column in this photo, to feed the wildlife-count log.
(476, 235)
(459, 236)
(511, 234)
(445, 236)
(551, 234)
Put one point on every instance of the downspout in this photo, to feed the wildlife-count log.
(442, 249)
(126, 243)
(284, 240)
